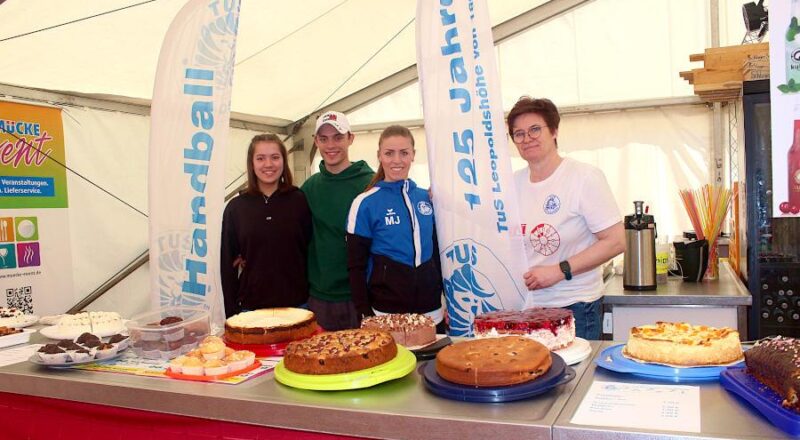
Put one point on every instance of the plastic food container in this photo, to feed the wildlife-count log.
(17, 338)
(167, 332)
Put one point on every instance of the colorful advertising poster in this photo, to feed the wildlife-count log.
(35, 252)
(784, 66)
(31, 157)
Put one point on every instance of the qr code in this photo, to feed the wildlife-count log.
(20, 298)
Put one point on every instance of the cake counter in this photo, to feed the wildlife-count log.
(401, 408)
(720, 303)
(723, 415)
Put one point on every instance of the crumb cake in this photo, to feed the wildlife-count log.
(555, 328)
(680, 343)
(776, 364)
(493, 362)
(270, 326)
(407, 329)
(343, 351)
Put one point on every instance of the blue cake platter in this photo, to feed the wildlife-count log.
(558, 374)
(612, 359)
(766, 401)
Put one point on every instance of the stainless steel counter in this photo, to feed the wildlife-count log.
(727, 290)
(723, 416)
(398, 409)
(720, 303)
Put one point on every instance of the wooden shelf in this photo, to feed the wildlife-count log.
(725, 68)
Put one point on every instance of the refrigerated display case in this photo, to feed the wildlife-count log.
(773, 243)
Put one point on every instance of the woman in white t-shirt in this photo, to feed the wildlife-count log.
(569, 217)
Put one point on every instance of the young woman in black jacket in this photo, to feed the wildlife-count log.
(265, 235)
(392, 253)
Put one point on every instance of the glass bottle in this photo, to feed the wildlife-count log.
(662, 260)
(793, 162)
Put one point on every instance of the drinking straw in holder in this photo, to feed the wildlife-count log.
(707, 208)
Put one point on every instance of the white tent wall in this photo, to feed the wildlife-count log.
(590, 55)
(284, 68)
(128, 297)
(646, 155)
(284, 46)
(110, 149)
(599, 53)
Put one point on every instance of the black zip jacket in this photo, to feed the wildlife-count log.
(392, 287)
(271, 235)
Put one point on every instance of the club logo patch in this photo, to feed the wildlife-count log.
(424, 208)
(552, 204)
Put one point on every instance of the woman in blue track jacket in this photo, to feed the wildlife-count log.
(392, 254)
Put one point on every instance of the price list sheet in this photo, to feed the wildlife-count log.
(644, 406)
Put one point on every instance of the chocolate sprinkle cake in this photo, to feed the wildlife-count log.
(776, 364)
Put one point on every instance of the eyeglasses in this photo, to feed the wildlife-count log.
(534, 131)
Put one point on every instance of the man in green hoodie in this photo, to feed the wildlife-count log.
(329, 194)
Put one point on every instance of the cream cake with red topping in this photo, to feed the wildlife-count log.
(407, 329)
(554, 328)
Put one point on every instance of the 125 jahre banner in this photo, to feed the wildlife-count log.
(35, 251)
(477, 220)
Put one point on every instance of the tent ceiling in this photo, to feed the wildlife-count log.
(298, 72)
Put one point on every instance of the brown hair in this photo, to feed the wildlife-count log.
(392, 130)
(541, 106)
(285, 182)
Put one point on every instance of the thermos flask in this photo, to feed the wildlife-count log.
(640, 250)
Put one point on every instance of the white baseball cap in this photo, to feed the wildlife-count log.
(336, 120)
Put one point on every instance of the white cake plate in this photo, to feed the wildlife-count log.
(56, 332)
(24, 321)
(579, 350)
